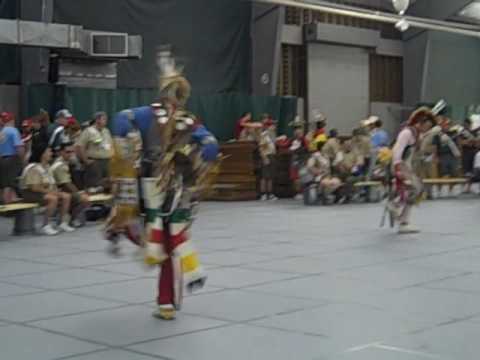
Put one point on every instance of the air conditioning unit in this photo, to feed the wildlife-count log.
(105, 44)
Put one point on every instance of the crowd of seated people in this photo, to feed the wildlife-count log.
(54, 164)
(335, 163)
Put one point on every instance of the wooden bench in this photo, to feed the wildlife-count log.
(24, 216)
(445, 181)
(25, 212)
(100, 198)
(361, 184)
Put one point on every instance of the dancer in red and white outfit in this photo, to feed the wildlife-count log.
(408, 186)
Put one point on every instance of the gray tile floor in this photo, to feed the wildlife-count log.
(285, 282)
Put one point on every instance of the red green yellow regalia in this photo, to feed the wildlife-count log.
(181, 158)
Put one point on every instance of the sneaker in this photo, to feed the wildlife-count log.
(65, 227)
(404, 229)
(76, 223)
(49, 230)
(272, 198)
(264, 197)
(299, 197)
(165, 312)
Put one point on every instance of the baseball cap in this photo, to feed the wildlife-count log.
(6, 117)
(27, 123)
(71, 121)
(63, 113)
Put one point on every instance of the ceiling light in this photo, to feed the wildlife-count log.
(402, 25)
(401, 5)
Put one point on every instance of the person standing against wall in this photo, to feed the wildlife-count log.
(39, 132)
(12, 152)
(468, 141)
(56, 131)
(267, 149)
(95, 149)
(447, 152)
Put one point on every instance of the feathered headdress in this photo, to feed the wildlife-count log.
(171, 81)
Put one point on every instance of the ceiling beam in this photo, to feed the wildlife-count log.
(416, 22)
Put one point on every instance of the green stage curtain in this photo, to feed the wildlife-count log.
(219, 112)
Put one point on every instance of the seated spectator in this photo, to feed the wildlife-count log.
(95, 149)
(63, 179)
(12, 152)
(347, 169)
(38, 186)
(267, 151)
(362, 147)
(320, 125)
(319, 167)
(379, 136)
(332, 146)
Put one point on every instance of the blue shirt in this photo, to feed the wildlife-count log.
(10, 139)
(142, 118)
(380, 139)
(207, 143)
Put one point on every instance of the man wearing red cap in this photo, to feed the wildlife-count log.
(27, 137)
(11, 156)
(408, 186)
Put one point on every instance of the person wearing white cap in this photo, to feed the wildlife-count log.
(56, 131)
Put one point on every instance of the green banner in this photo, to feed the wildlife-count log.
(219, 112)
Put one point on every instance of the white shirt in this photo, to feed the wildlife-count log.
(476, 162)
(405, 139)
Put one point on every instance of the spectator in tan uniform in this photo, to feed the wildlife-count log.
(362, 147)
(63, 179)
(38, 186)
(95, 149)
(347, 169)
(332, 147)
(425, 161)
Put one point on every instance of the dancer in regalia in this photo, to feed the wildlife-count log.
(408, 187)
(178, 156)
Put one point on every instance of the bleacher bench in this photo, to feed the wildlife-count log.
(445, 181)
(24, 213)
(24, 216)
(100, 198)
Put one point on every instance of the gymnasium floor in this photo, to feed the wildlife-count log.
(285, 282)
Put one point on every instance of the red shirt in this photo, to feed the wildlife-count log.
(239, 126)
